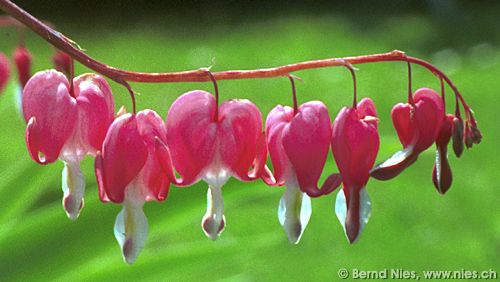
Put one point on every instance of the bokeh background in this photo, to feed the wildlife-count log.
(412, 227)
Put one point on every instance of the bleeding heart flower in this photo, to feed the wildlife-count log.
(129, 173)
(441, 173)
(213, 143)
(298, 145)
(417, 126)
(355, 144)
(4, 71)
(67, 124)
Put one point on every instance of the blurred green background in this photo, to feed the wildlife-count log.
(412, 227)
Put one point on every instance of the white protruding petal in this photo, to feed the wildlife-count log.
(398, 157)
(73, 186)
(214, 222)
(294, 212)
(131, 230)
(364, 213)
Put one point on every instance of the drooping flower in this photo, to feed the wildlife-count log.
(4, 71)
(129, 173)
(355, 144)
(67, 123)
(213, 143)
(298, 145)
(417, 125)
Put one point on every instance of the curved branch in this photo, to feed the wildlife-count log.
(120, 76)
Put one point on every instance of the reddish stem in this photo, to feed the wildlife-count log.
(353, 74)
(410, 91)
(71, 77)
(442, 94)
(122, 76)
(294, 94)
(216, 92)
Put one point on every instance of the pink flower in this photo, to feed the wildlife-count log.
(417, 126)
(4, 72)
(67, 124)
(355, 144)
(129, 173)
(298, 145)
(213, 143)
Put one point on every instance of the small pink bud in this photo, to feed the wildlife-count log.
(4, 71)
(23, 58)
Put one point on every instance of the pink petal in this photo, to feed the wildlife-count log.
(124, 154)
(46, 98)
(191, 133)
(429, 112)
(404, 125)
(306, 142)
(355, 146)
(155, 182)
(277, 120)
(96, 109)
(366, 108)
(239, 132)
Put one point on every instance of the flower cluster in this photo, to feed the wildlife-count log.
(139, 155)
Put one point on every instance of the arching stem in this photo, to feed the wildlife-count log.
(67, 45)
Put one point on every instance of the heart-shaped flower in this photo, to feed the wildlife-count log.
(355, 144)
(4, 71)
(129, 173)
(417, 126)
(298, 145)
(213, 143)
(67, 124)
